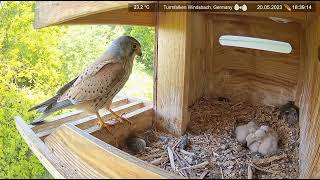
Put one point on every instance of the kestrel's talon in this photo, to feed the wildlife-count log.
(102, 124)
(119, 118)
(127, 120)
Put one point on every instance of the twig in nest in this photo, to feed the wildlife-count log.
(204, 174)
(270, 159)
(197, 166)
(181, 174)
(180, 163)
(264, 170)
(214, 153)
(187, 153)
(183, 140)
(250, 173)
(152, 156)
(221, 171)
(177, 143)
(153, 150)
(235, 105)
(157, 161)
(185, 161)
(164, 162)
(171, 158)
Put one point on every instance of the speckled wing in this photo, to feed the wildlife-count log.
(95, 68)
(95, 82)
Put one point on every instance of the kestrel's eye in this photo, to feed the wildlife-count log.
(134, 46)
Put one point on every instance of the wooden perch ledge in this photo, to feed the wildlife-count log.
(71, 145)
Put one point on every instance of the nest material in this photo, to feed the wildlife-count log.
(212, 150)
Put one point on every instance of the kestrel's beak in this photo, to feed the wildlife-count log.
(139, 52)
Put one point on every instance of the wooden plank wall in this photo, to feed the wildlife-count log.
(310, 104)
(240, 73)
(197, 68)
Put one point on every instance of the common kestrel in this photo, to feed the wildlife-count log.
(97, 85)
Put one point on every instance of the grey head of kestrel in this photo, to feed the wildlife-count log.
(97, 85)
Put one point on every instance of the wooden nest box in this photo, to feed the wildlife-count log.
(190, 63)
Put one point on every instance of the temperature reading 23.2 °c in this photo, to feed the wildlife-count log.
(141, 6)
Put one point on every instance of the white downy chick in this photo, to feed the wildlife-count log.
(252, 127)
(265, 128)
(264, 140)
(260, 133)
(253, 140)
(269, 144)
(243, 131)
(254, 147)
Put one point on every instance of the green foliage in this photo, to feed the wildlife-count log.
(29, 69)
(35, 63)
(82, 45)
(146, 37)
(139, 85)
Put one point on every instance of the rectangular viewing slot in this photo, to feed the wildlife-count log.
(255, 43)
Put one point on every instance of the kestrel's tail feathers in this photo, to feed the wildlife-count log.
(48, 109)
(51, 101)
(51, 105)
(40, 118)
(41, 107)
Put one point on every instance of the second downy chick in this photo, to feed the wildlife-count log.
(263, 141)
(243, 131)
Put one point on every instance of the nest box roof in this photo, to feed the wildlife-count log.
(89, 12)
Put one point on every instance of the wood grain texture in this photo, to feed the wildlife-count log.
(46, 157)
(172, 80)
(248, 74)
(299, 17)
(141, 121)
(197, 68)
(57, 12)
(106, 160)
(118, 16)
(302, 64)
(70, 159)
(310, 104)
